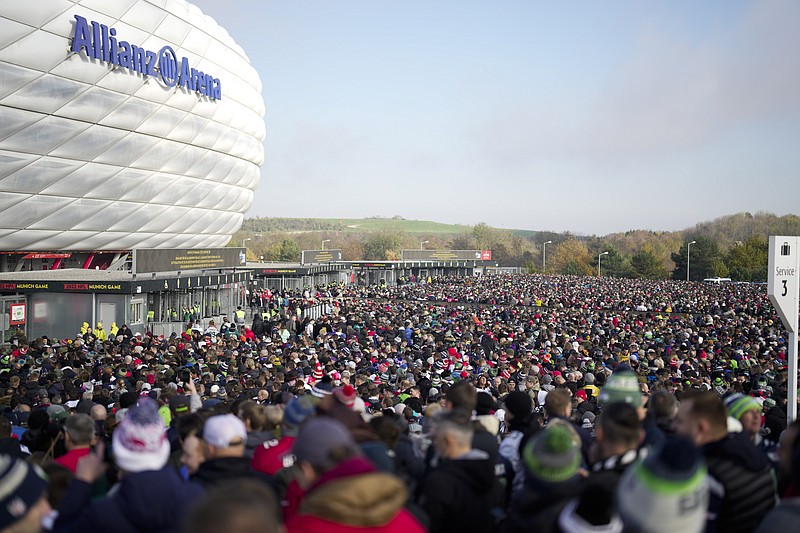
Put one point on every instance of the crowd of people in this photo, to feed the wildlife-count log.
(496, 403)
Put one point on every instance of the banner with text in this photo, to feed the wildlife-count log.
(319, 256)
(446, 255)
(182, 259)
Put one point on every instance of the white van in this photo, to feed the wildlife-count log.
(717, 280)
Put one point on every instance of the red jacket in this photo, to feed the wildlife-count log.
(70, 459)
(354, 497)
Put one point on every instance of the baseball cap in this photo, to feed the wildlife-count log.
(224, 431)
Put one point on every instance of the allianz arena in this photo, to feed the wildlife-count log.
(124, 124)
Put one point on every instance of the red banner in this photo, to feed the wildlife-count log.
(47, 256)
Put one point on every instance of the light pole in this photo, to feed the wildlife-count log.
(598, 262)
(688, 249)
(544, 256)
(243, 243)
(323, 243)
(422, 244)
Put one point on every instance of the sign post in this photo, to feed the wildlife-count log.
(783, 288)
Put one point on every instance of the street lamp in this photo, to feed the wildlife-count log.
(323, 243)
(422, 244)
(688, 249)
(244, 241)
(544, 256)
(598, 262)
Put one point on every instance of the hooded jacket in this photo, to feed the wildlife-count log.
(458, 494)
(354, 497)
(153, 501)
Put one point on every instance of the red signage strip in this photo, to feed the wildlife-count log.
(47, 256)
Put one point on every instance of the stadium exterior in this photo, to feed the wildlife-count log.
(124, 124)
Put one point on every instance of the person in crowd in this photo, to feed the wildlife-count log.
(224, 438)
(23, 499)
(457, 494)
(519, 420)
(665, 492)
(244, 506)
(150, 496)
(79, 436)
(743, 489)
(748, 412)
(343, 491)
(255, 420)
(553, 476)
(619, 437)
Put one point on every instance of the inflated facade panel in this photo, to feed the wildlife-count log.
(124, 124)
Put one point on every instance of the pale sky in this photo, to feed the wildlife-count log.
(591, 117)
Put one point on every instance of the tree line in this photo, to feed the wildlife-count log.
(734, 246)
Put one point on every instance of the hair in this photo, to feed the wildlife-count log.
(620, 424)
(708, 406)
(463, 395)
(663, 405)
(246, 506)
(5, 427)
(433, 409)
(191, 424)
(274, 417)
(388, 427)
(80, 428)
(255, 413)
(456, 423)
(556, 402)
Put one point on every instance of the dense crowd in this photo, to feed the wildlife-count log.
(495, 403)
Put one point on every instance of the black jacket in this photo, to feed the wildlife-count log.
(744, 491)
(539, 505)
(457, 495)
(216, 471)
(154, 501)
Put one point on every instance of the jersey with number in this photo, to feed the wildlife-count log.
(273, 455)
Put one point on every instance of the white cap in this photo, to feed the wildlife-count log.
(222, 431)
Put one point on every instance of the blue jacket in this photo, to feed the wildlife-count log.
(153, 501)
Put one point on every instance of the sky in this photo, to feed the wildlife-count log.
(582, 116)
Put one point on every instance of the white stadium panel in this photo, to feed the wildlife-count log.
(110, 142)
(85, 179)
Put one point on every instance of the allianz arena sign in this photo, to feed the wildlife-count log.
(100, 42)
(114, 133)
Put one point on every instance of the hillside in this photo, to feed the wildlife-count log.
(354, 225)
(733, 245)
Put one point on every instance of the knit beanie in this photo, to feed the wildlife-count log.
(22, 486)
(318, 372)
(666, 492)
(553, 454)
(622, 386)
(738, 404)
(346, 395)
(140, 441)
(296, 412)
(318, 438)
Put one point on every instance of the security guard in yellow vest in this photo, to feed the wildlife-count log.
(99, 332)
(239, 315)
